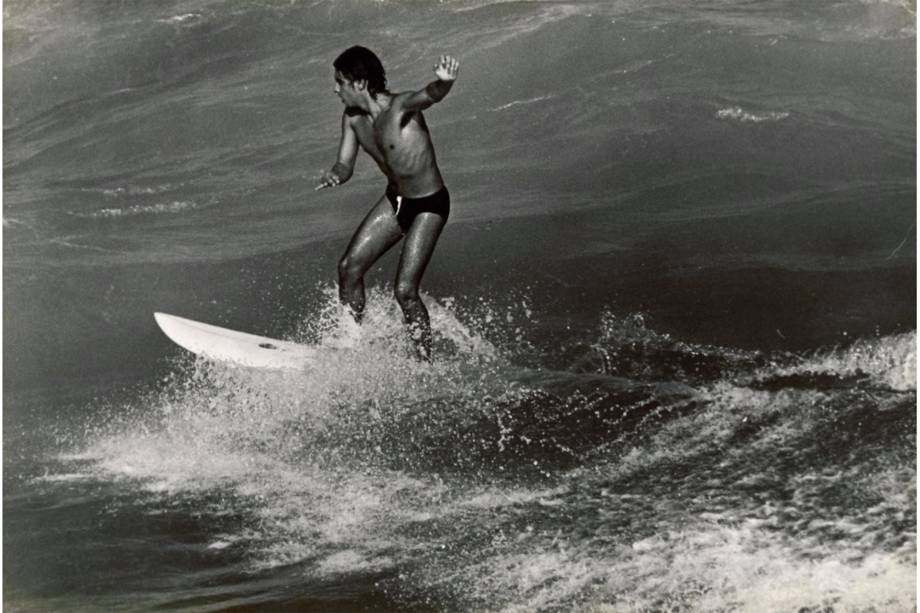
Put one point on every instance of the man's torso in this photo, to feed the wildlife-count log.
(401, 145)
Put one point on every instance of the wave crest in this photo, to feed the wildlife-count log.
(888, 361)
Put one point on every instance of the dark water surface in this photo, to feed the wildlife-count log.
(674, 311)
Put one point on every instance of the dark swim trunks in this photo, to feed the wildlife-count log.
(407, 209)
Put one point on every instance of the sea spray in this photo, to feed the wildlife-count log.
(313, 447)
(475, 484)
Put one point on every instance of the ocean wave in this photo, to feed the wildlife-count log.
(447, 477)
(308, 456)
(165, 208)
(527, 23)
(627, 346)
(736, 113)
(717, 568)
(888, 361)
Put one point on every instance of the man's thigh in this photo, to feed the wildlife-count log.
(421, 239)
(377, 233)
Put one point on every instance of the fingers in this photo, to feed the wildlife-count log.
(448, 66)
(329, 180)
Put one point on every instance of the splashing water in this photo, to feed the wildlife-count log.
(319, 458)
(471, 483)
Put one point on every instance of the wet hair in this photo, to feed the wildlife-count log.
(360, 64)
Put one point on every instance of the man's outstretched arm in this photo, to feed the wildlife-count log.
(446, 70)
(345, 164)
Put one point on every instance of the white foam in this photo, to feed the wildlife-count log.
(493, 498)
(522, 102)
(11, 222)
(352, 562)
(699, 569)
(736, 113)
(183, 19)
(302, 453)
(63, 478)
(890, 361)
(176, 206)
(135, 190)
(314, 462)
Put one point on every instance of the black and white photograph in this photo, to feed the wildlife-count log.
(602, 306)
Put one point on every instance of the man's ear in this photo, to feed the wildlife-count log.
(361, 84)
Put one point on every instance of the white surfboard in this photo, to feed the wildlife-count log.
(224, 345)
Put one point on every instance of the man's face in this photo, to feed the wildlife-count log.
(345, 89)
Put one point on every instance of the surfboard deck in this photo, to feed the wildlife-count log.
(240, 348)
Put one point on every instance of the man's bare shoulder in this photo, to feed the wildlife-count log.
(400, 99)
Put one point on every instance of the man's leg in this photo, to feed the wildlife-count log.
(376, 234)
(420, 242)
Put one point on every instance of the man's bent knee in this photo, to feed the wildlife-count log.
(350, 270)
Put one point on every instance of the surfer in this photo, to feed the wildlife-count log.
(390, 127)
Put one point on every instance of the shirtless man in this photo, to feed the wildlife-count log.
(390, 127)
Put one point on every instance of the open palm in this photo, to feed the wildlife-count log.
(447, 68)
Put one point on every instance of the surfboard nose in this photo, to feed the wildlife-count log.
(241, 348)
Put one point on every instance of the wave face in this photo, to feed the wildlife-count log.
(674, 310)
(634, 106)
(754, 480)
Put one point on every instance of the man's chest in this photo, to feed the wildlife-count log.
(387, 131)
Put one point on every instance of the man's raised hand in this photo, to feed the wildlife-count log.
(447, 68)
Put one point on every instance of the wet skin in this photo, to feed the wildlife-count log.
(392, 130)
